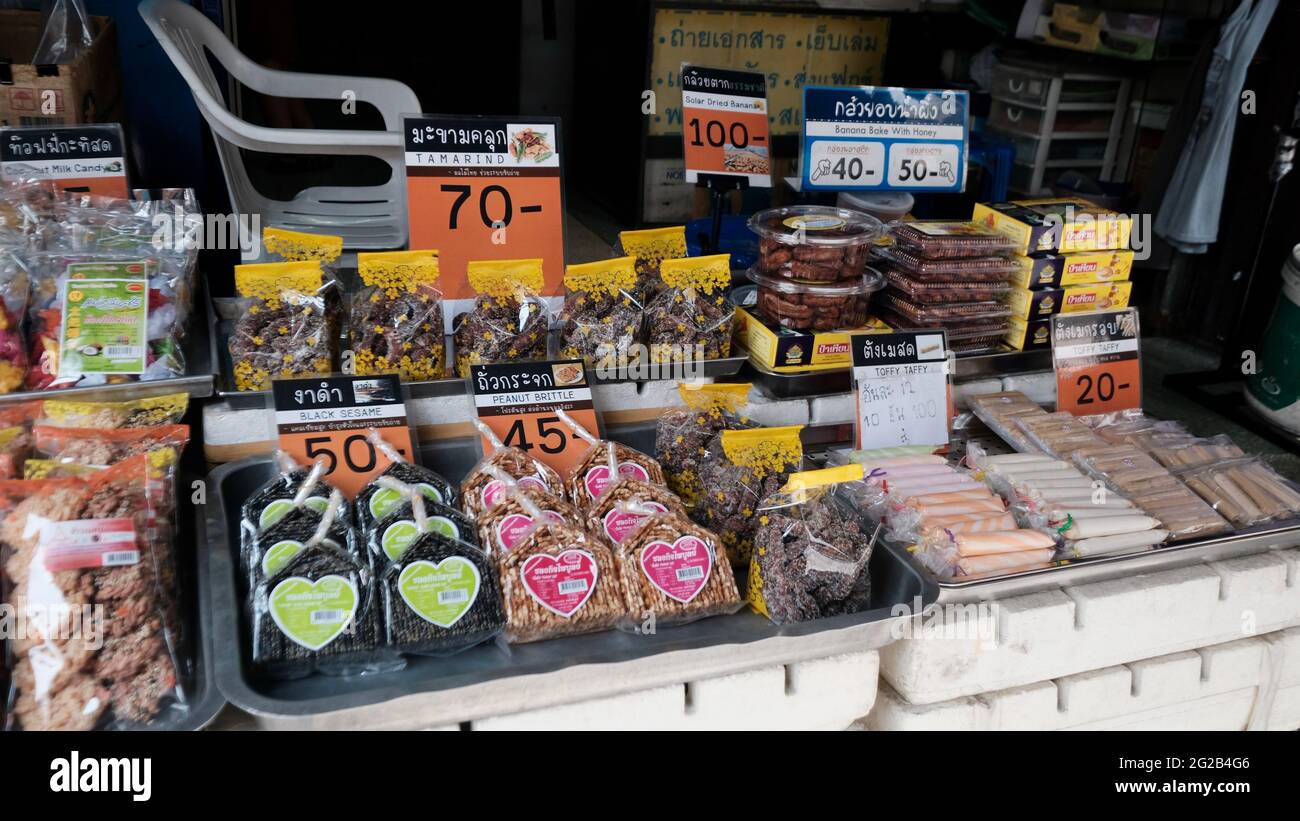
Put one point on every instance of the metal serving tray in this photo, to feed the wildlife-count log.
(487, 681)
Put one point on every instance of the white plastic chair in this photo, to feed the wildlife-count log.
(367, 217)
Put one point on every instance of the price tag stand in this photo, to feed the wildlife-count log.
(1097, 363)
(719, 187)
(518, 402)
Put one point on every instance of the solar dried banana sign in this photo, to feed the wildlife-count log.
(724, 125)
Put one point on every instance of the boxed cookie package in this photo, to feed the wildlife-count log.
(1064, 225)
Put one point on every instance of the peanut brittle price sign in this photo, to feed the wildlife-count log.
(485, 188)
(900, 385)
(518, 402)
(330, 418)
(1095, 356)
(724, 124)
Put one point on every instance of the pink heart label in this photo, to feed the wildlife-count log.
(597, 479)
(494, 491)
(511, 529)
(561, 583)
(620, 525)
(681, 569)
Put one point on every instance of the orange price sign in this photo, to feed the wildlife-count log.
(1095, 355)
(83, 158)
(330, 418)
(724, 124)
(482, 188)
(519, 400)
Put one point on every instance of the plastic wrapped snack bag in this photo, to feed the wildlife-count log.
(300, 495)
(13, 344)
(673, 570)
(285, 328)
(811, 549)
(691, 318)
(440, 593)
(127, 413)
(87, 565)
(318, 610)
(15, 451)
(558, 580)
(503, 526)
(508, 321)
(390, 528)
(395, 323)
(600, 322)
(1245, 491)
(604, 463)
(283, 245)
(741, 469)
(650, 247)
(375, 501)
(626, 504)
(481, 490)
(682, 434)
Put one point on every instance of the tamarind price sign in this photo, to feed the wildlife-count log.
(481, 188)
(724, 124)
(1095, 356)
(331, 417)
(900, 387)
(518, 401)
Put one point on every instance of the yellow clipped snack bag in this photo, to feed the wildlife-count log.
(395, 324)
(650, 247)
(691, 318)
(600, 322)
(682, 434)
(286, 325)
(509, 321)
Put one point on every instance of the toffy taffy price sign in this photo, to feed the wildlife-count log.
(724, 124)
(330, 418)
(900, 385)
(1095, 356)
(519, 400)
(483, 188)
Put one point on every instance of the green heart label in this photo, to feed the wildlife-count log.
(385, 500)
(280, 508)
(279, 555)
(313, 614)
(400, 535)
(440, 593)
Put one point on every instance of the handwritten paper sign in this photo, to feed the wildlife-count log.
(900, 383)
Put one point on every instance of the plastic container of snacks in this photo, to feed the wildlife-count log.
(985, 269)
(931, 291)
(814, 306)
(955, 311)
(886, 206)
(814, 243)
(950, 240)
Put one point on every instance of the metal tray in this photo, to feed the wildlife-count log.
(487, 681)
(219, 357)
(1259, 539)
(197, 381)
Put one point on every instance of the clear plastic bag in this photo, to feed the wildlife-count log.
(285, 327)
(509, 322)
(127, 413)
(390, 526)
(1244, 491)
(740, 470)
(683, 434)
(611, 517)
(87, 564)
(395, 322)
(101, 448)
(16, 449)
(998, 410)
(503, 526)
(1136, 476)
(812, 549)
(558, 580)
(672, 570)
(377, 500)
(1057, 434)
(604, 463)
(13, 343)
(65, 33)
(690, 319)
(480, 490)
(298, 492)
(600, 322)
(650, 247)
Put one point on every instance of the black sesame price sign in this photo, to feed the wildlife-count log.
(1095, 356)
(330, 418)
(900, 386)
(518, 402)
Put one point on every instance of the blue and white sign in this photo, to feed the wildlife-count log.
(872, 138)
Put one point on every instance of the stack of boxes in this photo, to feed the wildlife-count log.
(1073, 257)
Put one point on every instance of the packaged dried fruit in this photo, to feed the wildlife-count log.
(814, 306)
(650, 247)
(932, 291)
(128, 413)
(558, 580)
(943, 312)
(395, 324)
(814, 243)
(509, 321)
(600, 322)
(673, 570)
(480, 490)
(682, 434)
(604, 463)
(318, 611)
(611, 517)
(939, 239)
(86, 560)
(690, 320)
(969, 269)
(812, 548)
(285, 328)
(740, 469)
(283, 245)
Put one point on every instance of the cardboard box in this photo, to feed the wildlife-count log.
(785, 351)
(1029, 335)
(1061, 225)
(88, 90)
(1063, 270)
(1028, 305)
